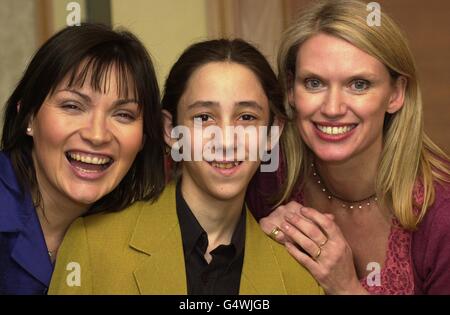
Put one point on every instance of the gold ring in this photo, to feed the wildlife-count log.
(319, 251)
(323, 243)
(275, 232)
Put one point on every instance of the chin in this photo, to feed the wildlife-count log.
(86, 198)
(226, 192)
(332, 155)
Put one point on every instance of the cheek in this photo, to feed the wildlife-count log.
(131, 140)
(307, 104)
(49, 132)
(371, 109)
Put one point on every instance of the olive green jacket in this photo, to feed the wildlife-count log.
(139, 251)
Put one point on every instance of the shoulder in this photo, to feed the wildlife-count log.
(296, 279)
(91, 250)
(8, 179)
(431, 245)
(114, 223)
(437, 217)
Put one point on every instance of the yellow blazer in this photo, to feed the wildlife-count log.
(139, 251)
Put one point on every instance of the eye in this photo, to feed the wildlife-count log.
(313, 84)
(71, 107)
(125, 117)
(359, 85)
(203, 117)
(247, 117)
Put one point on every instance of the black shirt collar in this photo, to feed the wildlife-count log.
(194, 235)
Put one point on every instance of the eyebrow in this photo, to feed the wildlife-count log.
(361, 74)
(245, 104)
(86, 98)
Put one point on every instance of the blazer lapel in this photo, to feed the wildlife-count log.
(261, 273)
(157, 235)
(18, 215)
(30, 251)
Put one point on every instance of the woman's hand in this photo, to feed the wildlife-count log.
(317, 243)
(272, 223)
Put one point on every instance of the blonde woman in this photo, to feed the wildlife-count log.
(369, 191)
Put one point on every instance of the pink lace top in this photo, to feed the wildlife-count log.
(396, 276)
(416, 262)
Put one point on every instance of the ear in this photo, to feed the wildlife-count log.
(30, 128)
(168, 126)
(397, 98)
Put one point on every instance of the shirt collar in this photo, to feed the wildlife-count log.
(192, 232)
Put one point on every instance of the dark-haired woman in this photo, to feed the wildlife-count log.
(81, 135)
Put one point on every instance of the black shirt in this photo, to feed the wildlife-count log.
(223, 274)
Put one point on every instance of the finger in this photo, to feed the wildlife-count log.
(323, 221)
(307, 227)
(268, 226)
(306, 261)
(305, 243)
(293, 206)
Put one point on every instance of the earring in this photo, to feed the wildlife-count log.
(28, 130)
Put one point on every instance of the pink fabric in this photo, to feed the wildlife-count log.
(396, 274)
(415, 261)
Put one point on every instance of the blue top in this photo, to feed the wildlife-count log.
(25, 266)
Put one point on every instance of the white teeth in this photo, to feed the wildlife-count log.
(335, 130)
(89, 159)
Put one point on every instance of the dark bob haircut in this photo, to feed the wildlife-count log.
(73, 54)
(222, 50)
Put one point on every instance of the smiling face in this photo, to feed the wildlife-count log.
(221, 94)
(341, 95)
(84, 142)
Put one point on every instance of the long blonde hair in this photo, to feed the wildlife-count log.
(409, 156)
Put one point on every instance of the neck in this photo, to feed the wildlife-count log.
(217, 217)
(352, 179)
(55, 217)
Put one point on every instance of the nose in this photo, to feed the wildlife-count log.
(96, 131)
(334, 103)
(229, 141)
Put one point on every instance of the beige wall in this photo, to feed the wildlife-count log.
(166, 27)
(59, 12)
(17, 42)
